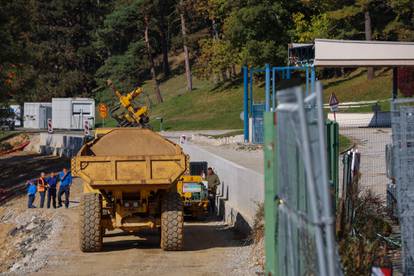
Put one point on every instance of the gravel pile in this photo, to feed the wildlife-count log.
(26, 245)
(209, 140)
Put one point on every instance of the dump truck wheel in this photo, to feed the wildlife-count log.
(90, 223)
(172, 222)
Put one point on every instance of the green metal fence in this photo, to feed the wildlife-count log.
(332, 143)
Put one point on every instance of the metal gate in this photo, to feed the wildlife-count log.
(299, 230)
(402, 121)
(257, 123)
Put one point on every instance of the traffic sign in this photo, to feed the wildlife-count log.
(86, 131)
(103, 110)
(333, 103)
(49, 126)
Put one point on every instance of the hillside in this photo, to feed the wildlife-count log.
(219, 107)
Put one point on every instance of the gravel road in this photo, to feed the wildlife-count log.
(49, 242)
(371, 144)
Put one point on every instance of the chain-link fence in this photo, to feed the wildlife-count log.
(370, 142)
(305, 232)
(403, 173)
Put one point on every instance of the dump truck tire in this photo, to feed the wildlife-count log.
(172, 222)
(90, 223)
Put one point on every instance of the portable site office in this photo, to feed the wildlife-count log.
(71, 113)
(36, 115)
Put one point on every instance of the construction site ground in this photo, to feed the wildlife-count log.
(45, 241)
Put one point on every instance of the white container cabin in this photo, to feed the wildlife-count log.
(71, 113)
(36, 115)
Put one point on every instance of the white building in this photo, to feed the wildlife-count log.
(71, 113)
(36, 115)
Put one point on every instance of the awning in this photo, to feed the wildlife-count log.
(354, 53)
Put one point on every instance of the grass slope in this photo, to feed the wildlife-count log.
(219, 107)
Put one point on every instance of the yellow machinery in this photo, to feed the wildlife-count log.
(194, 195)
(130, 116)
(130, 180)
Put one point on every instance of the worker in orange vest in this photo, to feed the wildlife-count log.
(41, 188)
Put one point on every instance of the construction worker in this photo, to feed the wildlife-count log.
(31, 193)
(41, 188)
(65, 178)
(213, 181)
(51, 191)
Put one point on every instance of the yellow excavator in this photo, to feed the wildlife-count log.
(129, 116)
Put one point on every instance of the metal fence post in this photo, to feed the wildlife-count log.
(246, 103)
(271, 215)
(267, 88)
(251, 76)
(273, 89)
(332, 138)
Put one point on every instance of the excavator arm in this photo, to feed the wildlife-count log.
(126, 113)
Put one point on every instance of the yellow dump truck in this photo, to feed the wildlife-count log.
(194, 195)
(130, 180)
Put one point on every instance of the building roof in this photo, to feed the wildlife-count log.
(354, 53)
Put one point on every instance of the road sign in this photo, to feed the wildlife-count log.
(333, 103)
(103, 110)
(86, 131)
(49, 126)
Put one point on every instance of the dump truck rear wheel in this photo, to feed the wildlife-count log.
(90, 223)
(172, 222)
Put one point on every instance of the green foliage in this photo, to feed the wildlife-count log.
(258, 31)
(307, 30)
(216, 56)
(70, 48)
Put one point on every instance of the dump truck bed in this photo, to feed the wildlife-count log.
(129, 157)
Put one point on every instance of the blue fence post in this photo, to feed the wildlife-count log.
(246, 103)
(312, 79)
(267, 88)
(273, 89)
(307, 80)
(251, 88)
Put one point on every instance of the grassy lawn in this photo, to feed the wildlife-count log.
(355, 86)
(218, 107)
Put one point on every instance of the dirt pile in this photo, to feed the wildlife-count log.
(15, 142)
(133, 142)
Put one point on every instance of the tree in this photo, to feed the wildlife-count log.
(63, 58)
(373, 14)
(162, 7)
(305, 31)
(182, 8)
(151, 59)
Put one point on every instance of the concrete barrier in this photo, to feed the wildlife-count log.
(241, 190)
(59, 144)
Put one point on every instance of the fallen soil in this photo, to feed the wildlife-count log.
(45, 242)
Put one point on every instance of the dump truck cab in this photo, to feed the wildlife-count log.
(194, 194)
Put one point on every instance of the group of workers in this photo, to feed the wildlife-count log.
(48, 186)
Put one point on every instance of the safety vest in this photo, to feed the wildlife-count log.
(41, 187)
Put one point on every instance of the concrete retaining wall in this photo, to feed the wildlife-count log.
(59, 144)
(379, 119)
(241, 189)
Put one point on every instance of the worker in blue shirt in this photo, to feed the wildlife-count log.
(51, 191)
(65, 178)
(31, 193)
